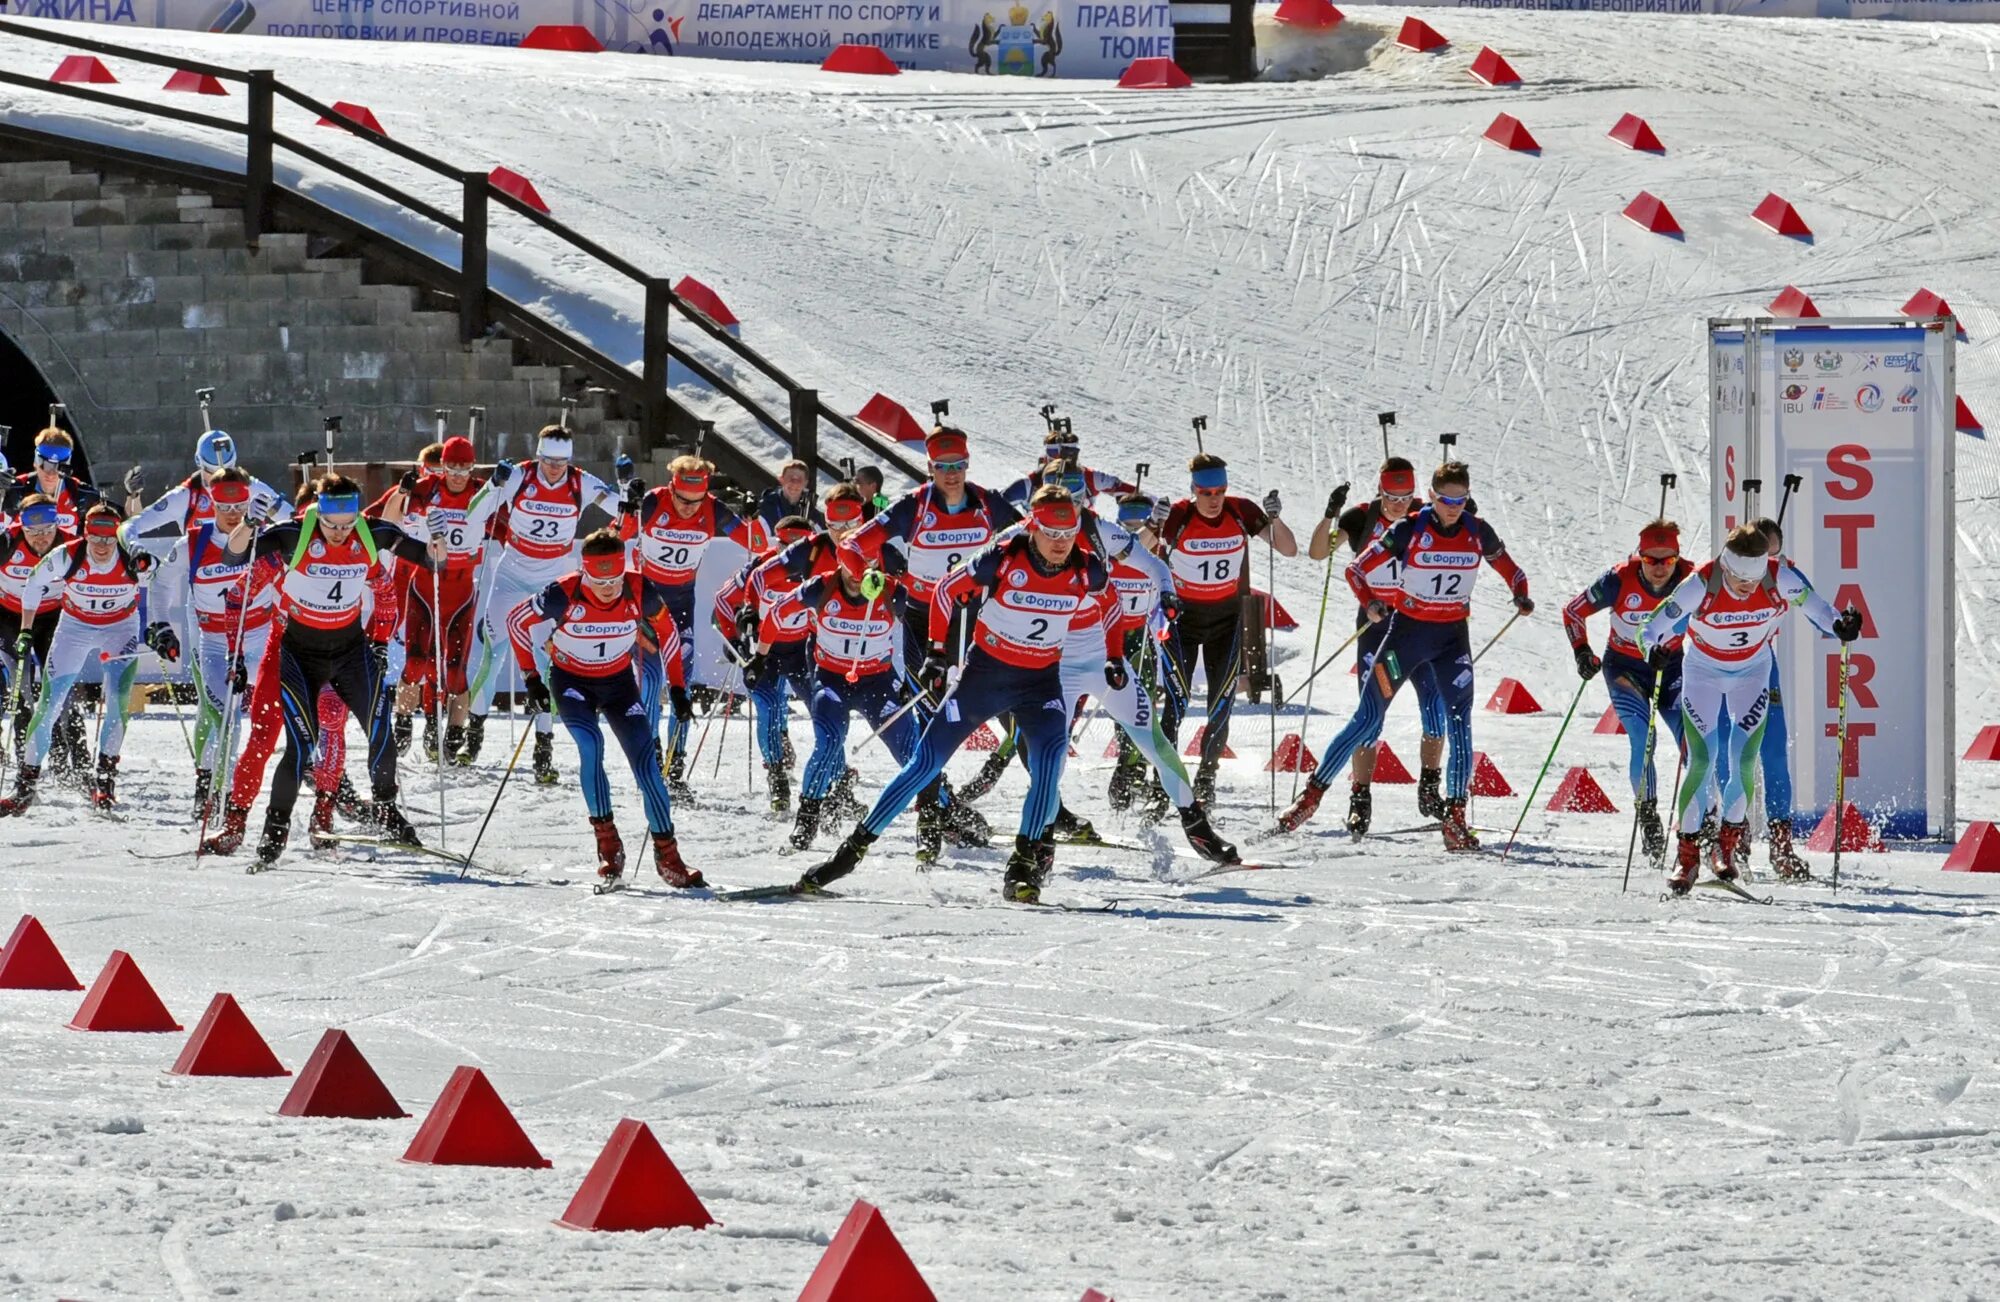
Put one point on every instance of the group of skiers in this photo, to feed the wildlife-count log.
(927, 616)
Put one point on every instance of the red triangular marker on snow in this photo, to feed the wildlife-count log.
(634, 1185)
(1986, 746)
(1508, 133)
(1793, 302)
(1513, 698)
(1418, 35)
(1580, 794)
(1632, 132)
(83, 69)
(511, 183)
(1200, 737)
(890, 418)
(121, 999)
(1651, 212)
(1292, 756)
(1092, 1295)
(865, 1263)
(982, 738)
(469, 1125)
(187, 81)
(1856, 832)
(1978, 851)
(1311, 15)
(31, 960)
(1609, 724)
(868, 60)
(1781, 217)
(1491, 67)
(338, 1082)
(1487, 780)
(360, 114)
(1154, 73)
(705, 301)
(1964, 419)
(562, 36)
(224, 1043)
(1924, 304)
(1111, 747)
(1389, 770)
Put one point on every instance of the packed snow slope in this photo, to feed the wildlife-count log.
(1383, 1074)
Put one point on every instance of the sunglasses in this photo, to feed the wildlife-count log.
(343, 521)
(54, 458)
(958, 467)
(1402, 497)
(1057, 535)
(1461, 500)
(1667, 559)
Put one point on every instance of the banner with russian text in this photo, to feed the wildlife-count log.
(1924, 11)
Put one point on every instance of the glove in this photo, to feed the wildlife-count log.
(622, 468)
(682, 703)
(239, 676)
(1377, 609)
(1161, 510)
(635, 493)
(408, 483)
(1334, 501)
(24, 646)
(1171, 603)
(1115, 675)
(872, 584)
(1587, 663)
(502, 472)
(1524, 603)
(1656, 659)
(1847, 626)
(164, 641)
(379, 653)
(702, 696)
(1273, 506)
(753, 670)
(263, 509)
(135, 481)
(934, 676)
(539, 700)
(142, 564)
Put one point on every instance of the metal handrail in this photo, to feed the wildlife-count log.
(121, 51)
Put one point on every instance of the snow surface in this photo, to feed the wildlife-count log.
(1385, 1074)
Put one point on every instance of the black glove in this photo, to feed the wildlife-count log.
(682, 703)
(1378, 610)
(1587, 663)
(408, 483)
(165, 642)
(934, 676)
(635, 493)
(700, 697)
(239, 676)
(539, 700)
(1657, 658)
(1171, 603)
(142, 563)
(1273, 504)
(746, 631)
(1847, 626)
(135, 481)
(1524, 603)
(753, 670)
(1116, 675)
(1334, 501)
(502, 472)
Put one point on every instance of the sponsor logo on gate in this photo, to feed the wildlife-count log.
(1913, 362)
(1827, 363)
(1868, 397)
(1795, 391)
(1824, 401)
(1795, 359)
(1907, 399)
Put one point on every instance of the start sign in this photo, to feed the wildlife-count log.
(1858, 415)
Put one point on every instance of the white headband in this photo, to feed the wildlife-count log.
(556, 447)
(1745, 567)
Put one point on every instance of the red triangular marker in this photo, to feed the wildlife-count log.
(84, 69)
(705, 301)
(1487, 780)
(1508, 133)
(1781, 217)
(1965, 419)
(469, 1125)
(1580, 794)
(1491, 67)
(224, 1043)
(890, 418)
(1632, 132)
(982, 738)
(31, 960)
(562, 36)
(865, 1263)
(870, 60)
(360, 114)
(1389, 770)
(1793, 302)
(1201, 736)
(338, 1082)
(634, 1185)
(1609, 724)
(511, 183)
(1092, 1295)
(1512, 698)
(1651, 212)
(1978, 851)
(1111, 747)
(1154, 73)
(190, 82)
(121, 999)
(1418, 35)
(1311, 15)
(1856, 832)
(1924, 304)
(1292, 756)
(1986, 746)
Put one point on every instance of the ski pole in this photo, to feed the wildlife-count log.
(1840, 770)
(1327, 663)
(1497, 636)
(1529, 803)
(499, 791)
(1652, 713)
(226, 754)
(1270, 632)
(1387, 420)
(722, 742)
(438, 710)
(1791, 483)
(1319, 633)
(1668, 480)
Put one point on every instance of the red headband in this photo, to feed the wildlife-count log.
(694, 481)
(229, 493)
(946, 445)
(843, 510)
(1399, 483)
(1057, 515)
(610, 565)
(101, 526)
(794, 532)
(1660, 535)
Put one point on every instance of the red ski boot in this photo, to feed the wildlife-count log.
(1689, 866)
(1458, 837)
(667, 858)
(24, 791)
(104, 787)
(610, 850)
(1303, 808)
(1785, 860)
(319, 829)
(1733, 851)
(235, 822)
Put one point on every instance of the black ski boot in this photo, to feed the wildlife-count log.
(204, 791)
(454, 741)
(1022, 882)
(25, 779)
(1069, 827)
(396, 829)
(989, 774)
(1154, 806)
(930, 829)
(841, 802)
(1430, 800)
(677, 783)
(104, 787)
(805, 825)
(431, 737)
(1202, 837)
(1652, 833)
(277, 831)
(781, 788)
(545, 759)
(349, 802)
(1125, 779)
(401, 731)
(1361, 808)
(1204, 783)
(964, 826)
(474, 736)
(847, 856)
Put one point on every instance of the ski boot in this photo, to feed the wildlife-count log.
(1304, 807)
(401, 731)
(847, 856)
(1022, 882)
(1732, 851)
(668, 863)
(104, 787)
(474, 735)
(277, 831)
(677, 783)
(396, 829)
(1457, 836)
(229, 839)
(204, 791)
(964, 827)
(1430, 800)
(1204, 783)
(431, 737)
(930, 829)
(1688, 866)
(24, 790)
(841, 802)
(1652, 833)
(349, 802)
(319, 828)
(781, 788)
(1076, 831)
(989, 774)
(786, 755)
(610, 850)
(454, 741)
(1361, 809)
(805, 825)
(1153, 809)
(1202, 837)
(1785, 860)
(545, 759)
(1125, 780)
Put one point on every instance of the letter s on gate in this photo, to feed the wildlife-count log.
(1729, 474)
(1846, 462)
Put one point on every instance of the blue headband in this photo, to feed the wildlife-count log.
(339, 504)
(1213, 477)
(1134, 512)
(55, 452)
(42, 515)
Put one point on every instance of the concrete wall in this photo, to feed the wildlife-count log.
(129, 295)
